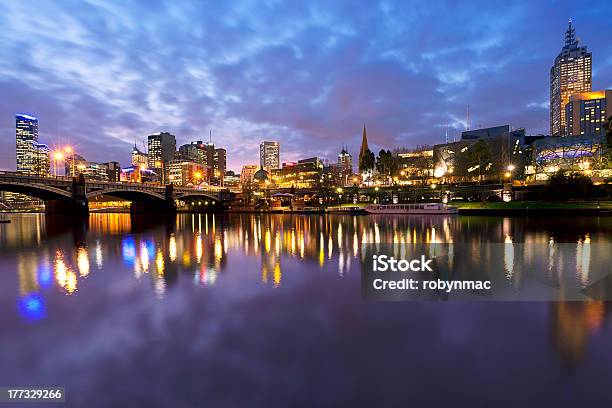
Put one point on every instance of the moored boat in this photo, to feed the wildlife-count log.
(426, 208)
(346, 209)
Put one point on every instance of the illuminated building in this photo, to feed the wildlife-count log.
(306, 173)
(194, 151)
(139, 159)
(42, 159)
(76, 165)
(416, 167)
(570, 74)
(183, 172)
(162, 147)
(26, 135)
(269, 155)
(247, 173)
(582, 153)
(231, 179)
(345, 165)
(219, 163)
(138, 175)
(502, 147)
(587, 112)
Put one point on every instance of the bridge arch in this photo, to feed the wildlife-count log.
(127, 194)
(39, 191)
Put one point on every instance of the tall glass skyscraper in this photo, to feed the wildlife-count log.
(26, 137)
(162, 147)
(570, 74)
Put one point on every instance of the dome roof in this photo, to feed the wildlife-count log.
(260, 175)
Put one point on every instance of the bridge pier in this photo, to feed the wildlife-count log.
(152, 207)
(156, 207)
(77, 208)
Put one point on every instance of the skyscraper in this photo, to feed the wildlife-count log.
(587, 112)
(220, 163)
(345, 162)
(269, 155)
(162, 147)
(570, 74)
(26, 137)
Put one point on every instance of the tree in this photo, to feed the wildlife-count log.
(480, 155)
(385, 163)
(563, 186)
(366, 162)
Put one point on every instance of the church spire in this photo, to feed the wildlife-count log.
(364, 142)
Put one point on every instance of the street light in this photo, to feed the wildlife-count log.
(57, 156)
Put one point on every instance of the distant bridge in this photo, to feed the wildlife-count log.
(70, 196)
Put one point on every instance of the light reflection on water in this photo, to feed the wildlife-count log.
(201, 244)
(57, 259)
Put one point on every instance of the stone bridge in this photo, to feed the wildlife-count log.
(70, 196)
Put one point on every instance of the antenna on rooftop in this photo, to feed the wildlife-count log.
(446, 133)
(467, 122)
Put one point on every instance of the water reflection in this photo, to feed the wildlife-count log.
(53, 257)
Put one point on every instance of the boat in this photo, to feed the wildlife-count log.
(346, 209)
(427, 208)
(5, 221)
(302, 210)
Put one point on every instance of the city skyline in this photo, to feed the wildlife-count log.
(311, 99)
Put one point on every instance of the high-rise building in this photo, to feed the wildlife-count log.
(269, 155)
(345, 162)
(194, 151)
(220, 163)
(26, 136)
(162, 147)
(42, 161)
(587, 112)
(184, 172)
(139, 159)
(570, 74)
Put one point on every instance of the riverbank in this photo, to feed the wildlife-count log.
(521, 208)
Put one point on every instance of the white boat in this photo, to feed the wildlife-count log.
(352, 209)
(428, 208)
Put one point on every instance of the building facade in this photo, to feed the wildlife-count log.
(183, 172)
(139, 159)
(246, 174)
(26, 138)
(162, 147)
(586, 112)
(345, 166)
(269, 155)
(570, 74)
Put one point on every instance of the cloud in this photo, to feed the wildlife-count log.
(102, 75)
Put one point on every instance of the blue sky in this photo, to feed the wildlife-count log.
(102, 75)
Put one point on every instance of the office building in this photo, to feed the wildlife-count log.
(587, 112)
(247, 173)
(139, 159)
(219, 163)
(269, 155)
(26, 136)
(162, 147)
(184, 172)
(570, 74)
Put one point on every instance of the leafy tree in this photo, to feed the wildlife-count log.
(563, 186)
(366, 162)
(385, 163)
(479, 155)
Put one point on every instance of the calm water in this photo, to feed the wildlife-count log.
(255, 310)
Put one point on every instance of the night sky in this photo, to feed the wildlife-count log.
(100, 76)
